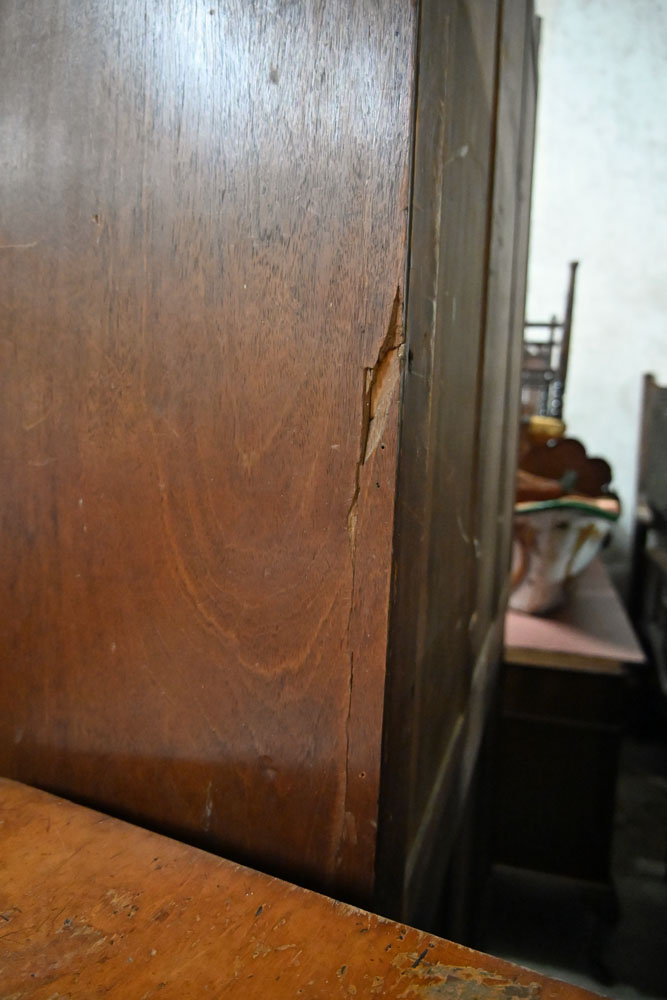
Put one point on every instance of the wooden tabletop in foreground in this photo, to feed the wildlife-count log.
(91, 906)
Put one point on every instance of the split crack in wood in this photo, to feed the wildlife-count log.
(379, 385)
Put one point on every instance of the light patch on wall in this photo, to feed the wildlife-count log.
(599, 183)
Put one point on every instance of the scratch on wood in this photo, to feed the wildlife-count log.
(459, 983)
(40, 420)
(208, 807)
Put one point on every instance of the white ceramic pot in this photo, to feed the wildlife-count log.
(555, 540)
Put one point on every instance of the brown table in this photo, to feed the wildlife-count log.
(91, 906)
(563, 710)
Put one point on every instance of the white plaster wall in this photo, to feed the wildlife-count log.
(600, 197)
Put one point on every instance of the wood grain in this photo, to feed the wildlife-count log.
(203, 236)
(503, 328)
(90, 905)
(222, 467)
(520, 270)
(433, 601)
(457, 444)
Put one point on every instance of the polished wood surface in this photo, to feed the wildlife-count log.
(90, 905)
(203, 241)
(463, 327)
(430, 655)
(516, 129)
(503, 329)
(261, 272)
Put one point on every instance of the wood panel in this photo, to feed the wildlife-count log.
(91, 905)
(519, 283)
(203, 243)
(500, 384)
(557, 762)
(453, 521)
(430, 653)
(500, 367)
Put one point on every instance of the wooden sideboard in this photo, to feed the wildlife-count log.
(90, 905)
(563, 712)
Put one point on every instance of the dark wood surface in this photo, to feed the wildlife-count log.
(202, 256)
(648, 577)
(90, 905)
(564, 697)
(237, 510)
(556, 769)
(464, 320)
(652, 478)
(520, 279)
(499, 331)
(508, 261)
(428, 675)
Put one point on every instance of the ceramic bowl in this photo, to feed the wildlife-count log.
(555, 540)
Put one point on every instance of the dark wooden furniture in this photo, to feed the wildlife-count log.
(262, 286)
(563, 698)
(90, 905)
(648, 583)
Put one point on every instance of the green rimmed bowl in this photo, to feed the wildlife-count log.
(554, 540)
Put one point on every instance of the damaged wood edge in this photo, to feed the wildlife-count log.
(378, 388)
